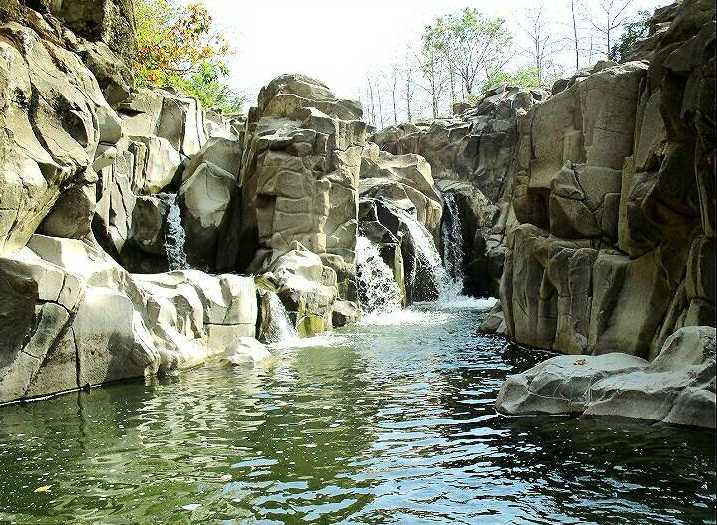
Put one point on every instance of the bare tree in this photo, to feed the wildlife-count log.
(394, 72)
(542, 42)
(408, 84)
(431, 65)
(612, 16)
(575, 36)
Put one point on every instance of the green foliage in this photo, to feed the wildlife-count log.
(207, 87)
(527, 78)
(472, 44)
(179, 48)
(632, 32)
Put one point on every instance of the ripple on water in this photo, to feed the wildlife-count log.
(385, 422)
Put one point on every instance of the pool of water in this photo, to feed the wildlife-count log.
(391, 421)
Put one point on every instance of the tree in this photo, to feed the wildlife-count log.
(178, 47)
(431, 64)
(473, 45)
(576, 41)
(543, 44)
(613, 14)
(633, 31)
(527, 77)
(408, 85)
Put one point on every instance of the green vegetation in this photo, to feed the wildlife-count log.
(632, 32)
(179, 48)
(527, 77)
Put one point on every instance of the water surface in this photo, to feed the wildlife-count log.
(387, 422)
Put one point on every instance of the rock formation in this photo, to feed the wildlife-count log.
(614, 237)
(472, 156)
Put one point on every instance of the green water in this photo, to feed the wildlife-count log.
(388, 424)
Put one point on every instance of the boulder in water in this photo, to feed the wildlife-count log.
(246, 351)
(677, 387)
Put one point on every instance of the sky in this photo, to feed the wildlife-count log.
(339, 42)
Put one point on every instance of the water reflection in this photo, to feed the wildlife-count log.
(376, 424)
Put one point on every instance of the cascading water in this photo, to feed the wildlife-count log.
(280, 329)
(174, 235)
(426, 253)
(452, 237)
(378, 290)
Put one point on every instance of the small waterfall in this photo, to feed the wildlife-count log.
(279, 329)
(378, 289)
(174, 235)
(452, 237)
(426, 252)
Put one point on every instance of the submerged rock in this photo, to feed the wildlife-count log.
(246, 351)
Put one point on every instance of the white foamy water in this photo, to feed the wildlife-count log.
(280, 329)
(174, 236)
(452, 237)
(378, 289)
(408, 317)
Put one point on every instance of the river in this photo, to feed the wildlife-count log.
(389, 421)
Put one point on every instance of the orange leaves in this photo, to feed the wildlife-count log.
(175, 44)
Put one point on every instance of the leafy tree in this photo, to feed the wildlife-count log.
(179, 48)
(473, 45)
(527, 78)
(632, 32)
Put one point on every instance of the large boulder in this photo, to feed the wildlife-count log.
(678, 387)
(72, 317)
(400, 178)
(205, 199)
(306, 287)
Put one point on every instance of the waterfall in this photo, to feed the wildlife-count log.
(452, 237)
(174, 235)
(378, 289)
(426, 253)
(279, 328)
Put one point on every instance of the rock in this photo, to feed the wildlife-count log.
(223, 152)
(401, 177)
(344, 313)
(177, 119)
(205, 199)
(299, 176)
(71, 216)
(161, 164)
(246, 351)
(677, 387)
(494, 321)
(73, 317)
(561, 385)
(617, 210)
(478, 147)
(54, 122)
(148, 224)
(307, 289)
(113, 75)
(109, 21)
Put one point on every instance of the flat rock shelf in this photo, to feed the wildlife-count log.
(387, 422)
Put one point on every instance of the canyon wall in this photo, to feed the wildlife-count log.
(613, 248)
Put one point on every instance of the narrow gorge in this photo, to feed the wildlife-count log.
(291, 316)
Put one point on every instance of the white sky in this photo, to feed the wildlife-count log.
(338, 41)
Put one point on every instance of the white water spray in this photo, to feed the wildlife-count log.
(280, 329)
(452, 237)
(174, 236)
(378, 289)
